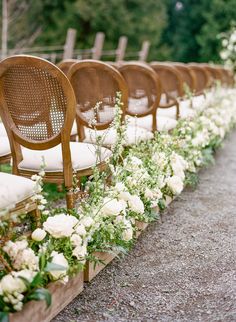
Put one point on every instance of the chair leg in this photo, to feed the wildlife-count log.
(69, 199)
(59, 188)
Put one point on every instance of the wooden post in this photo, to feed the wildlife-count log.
(120, 52)
(4, 28)
(144, 51)
(70, 44)
(98, 45)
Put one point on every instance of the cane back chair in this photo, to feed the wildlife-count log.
(65, 65)
(37, 106)
(95, 81)
(144, 97)
(187, 75)
(203, 78)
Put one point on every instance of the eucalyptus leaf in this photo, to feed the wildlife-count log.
(4, 317)
(54, 267)
(41, 294)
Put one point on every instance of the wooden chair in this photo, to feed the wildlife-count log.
(187, 75)
(37, 106)
(144, 97)
(95, 81)
(215, 74)
(65, 65)
(203, 78)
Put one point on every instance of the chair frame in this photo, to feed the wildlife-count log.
(148, 71)
(62, 137)
(65, 65)
(91, 63)
(165, 66)
(197, 69)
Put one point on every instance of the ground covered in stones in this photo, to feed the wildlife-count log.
(183, 269)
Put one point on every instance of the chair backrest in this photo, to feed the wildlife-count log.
(144, 88)
(187, 75)
(97, 82)
(171, 80)
(214, 72)
(203, 78)
(65, 65)
(37, 104)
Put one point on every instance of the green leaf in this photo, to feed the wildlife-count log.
(4, 317)
(41, 294)
(38, 280)
(54, 267)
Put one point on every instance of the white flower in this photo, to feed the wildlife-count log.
(80, 252)
(128, 232)
(76, 240)
(60, 226)
(136, 204)
(87, 221)
(59, 259)
(112, 207)
(119, 187)
(38, 234)
(80, 230)
(10, 284)
(148, 194)
(175, 184)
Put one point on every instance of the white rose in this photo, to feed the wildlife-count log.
(38, 234)
(10, 284)
(175, 184)
(148, 193)
(76, 240)
(124, 195)
(120, 187)
(59, 259)
(60, 226)
(87, 221)
(80, 252)
(128, 232)
(112, 207)
(80, 230)
(136, 204)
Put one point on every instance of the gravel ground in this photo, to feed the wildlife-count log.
(181, 270)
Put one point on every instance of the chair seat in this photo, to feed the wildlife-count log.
(3, 131)
(83, 156)
(185, 110)
(14, 189)
(109, 136)
(4, 146)
(163, 123)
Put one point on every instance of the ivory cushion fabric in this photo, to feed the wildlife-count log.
(185, 110)
(4, 146)
(14, 189)
(83, 156)
(163, 123)
(3, 131)
(133, 135)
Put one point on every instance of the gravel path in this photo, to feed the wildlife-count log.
(181, 270)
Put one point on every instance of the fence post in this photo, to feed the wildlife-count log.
(70, 44)
(144, 51)
(120, 51)
(98, 45)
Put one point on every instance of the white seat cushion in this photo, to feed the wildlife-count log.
(109, 136)
(74, 129)
(14, 189)
(3, 131)
(185, 110)
(4, 146)
(83, 156)
(163, 123)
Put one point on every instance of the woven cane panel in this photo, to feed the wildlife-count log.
(35, 101)
(201, 80)
(169, 81)
(142, 90)
(92, 85)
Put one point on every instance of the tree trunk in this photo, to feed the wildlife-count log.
(4, 28)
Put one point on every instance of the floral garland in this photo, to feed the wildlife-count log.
(138, 181)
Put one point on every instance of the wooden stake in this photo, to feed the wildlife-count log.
(70, 44)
